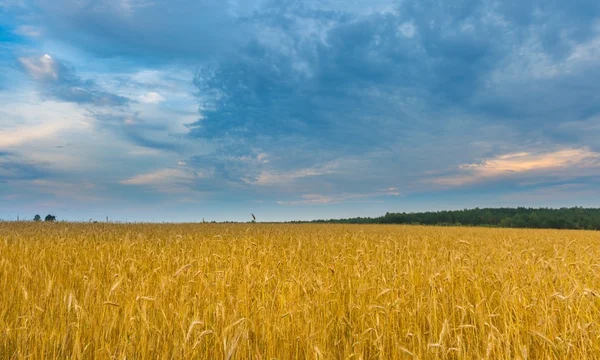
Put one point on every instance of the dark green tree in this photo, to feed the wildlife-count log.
(37, 217)
(564, 218)
(50, 218)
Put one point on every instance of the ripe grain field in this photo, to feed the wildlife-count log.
(263, 291)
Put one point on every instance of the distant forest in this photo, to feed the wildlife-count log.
(544, 218)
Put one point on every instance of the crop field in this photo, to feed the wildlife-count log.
(264, 291)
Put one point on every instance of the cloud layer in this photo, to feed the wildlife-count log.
(295, 105)
(565, 163)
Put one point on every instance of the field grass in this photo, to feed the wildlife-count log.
(216, 291)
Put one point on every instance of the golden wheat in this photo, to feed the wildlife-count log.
(217, 291)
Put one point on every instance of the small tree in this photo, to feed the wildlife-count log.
(50, 218)
(37, 217)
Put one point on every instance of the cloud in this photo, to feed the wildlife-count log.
(58, 81)
(309, 199)
(352, 79)
(24, 134)
(392, 191)
(151, 98)
(407, 29)
(29, 31)
(43, 68)
(14, 168)
(136, 130)
(270, 178)
(343, 86)
(139, 28)
(160, 177)
(566, 162)
(38, 131)
(167, 180)
(320, 199)
(322, 101)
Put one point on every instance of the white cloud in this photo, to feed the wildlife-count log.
(40, 68)
(63, 137)
(308, 199)
(170, 87)
(24, 134)
(130, 120)
(392, 191)
(167, 180)
(151, 98)
(280, 178)
(314, 199)
(28, 30)
(159, 177)
(262, 157)
(565, 162)
(589, 51)
(408, 30)
(28, 121)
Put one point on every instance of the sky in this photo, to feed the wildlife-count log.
(179, 110)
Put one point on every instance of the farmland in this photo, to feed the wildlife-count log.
(319, 291)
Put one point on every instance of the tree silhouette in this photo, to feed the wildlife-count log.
(50, 218)
(37, 217)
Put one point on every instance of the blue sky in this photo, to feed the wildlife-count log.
(183, 110)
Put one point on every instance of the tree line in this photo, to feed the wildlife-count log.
(48, 218)
(546, 218)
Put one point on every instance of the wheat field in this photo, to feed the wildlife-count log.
(265, 291)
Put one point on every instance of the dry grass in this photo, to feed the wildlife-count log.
(208, 291)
